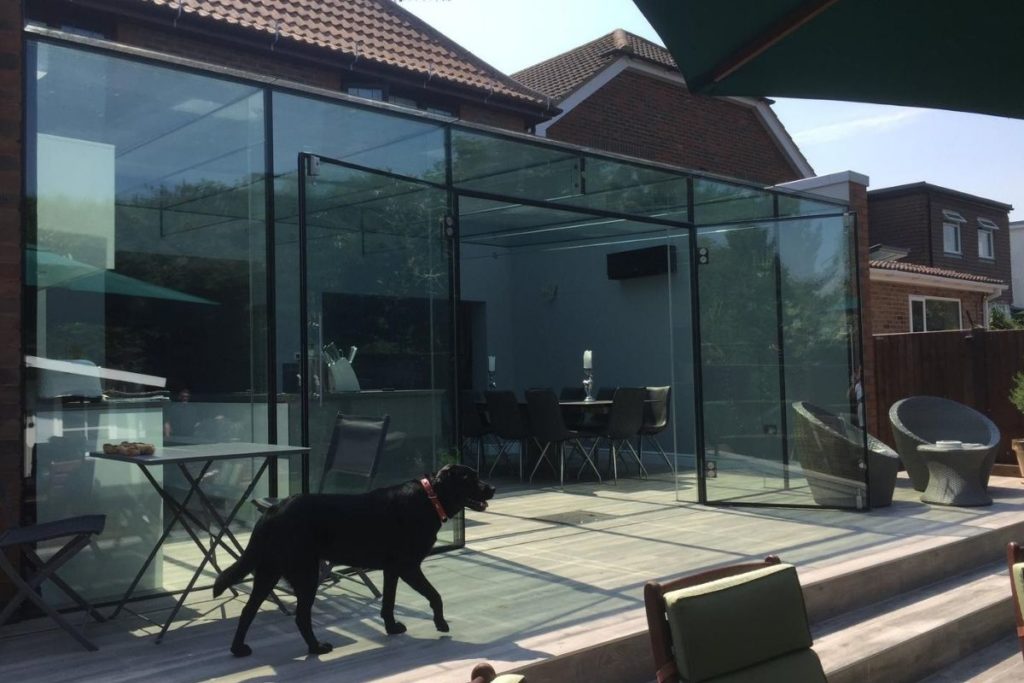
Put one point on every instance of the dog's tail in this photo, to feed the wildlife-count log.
(232, 575)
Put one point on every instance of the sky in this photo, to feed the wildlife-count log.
(972, 153)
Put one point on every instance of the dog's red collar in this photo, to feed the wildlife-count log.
(433, 499)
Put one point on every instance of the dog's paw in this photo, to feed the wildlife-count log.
(321, 649)
(394, 628)
(441, 625)
(242, 650)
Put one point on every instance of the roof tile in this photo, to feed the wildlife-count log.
(378, 31)
(931, 270)
(561, 75)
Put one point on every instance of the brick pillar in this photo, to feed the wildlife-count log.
(859, 205)
(11, 107)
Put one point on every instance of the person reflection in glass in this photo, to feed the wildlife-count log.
(180, 417)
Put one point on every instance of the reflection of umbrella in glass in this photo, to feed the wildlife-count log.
(44, 269)
(939, 54)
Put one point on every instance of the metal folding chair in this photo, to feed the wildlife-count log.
(80, 530)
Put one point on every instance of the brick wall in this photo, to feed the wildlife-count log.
(899, 221)
(890, 312)
(654, 119)
(175, 43)
(10, 269)
(969, 261)
(490, 117)
(914, 219)
(859, 206)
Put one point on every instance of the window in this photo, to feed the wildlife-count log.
(366, 93)
(987, 238)
(930, 314)
(951, 238)
(402, 101)
(951, 231)
(986, 243)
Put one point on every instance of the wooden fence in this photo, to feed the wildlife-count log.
(974, 367)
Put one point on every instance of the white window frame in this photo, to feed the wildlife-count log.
(952, 219)
(924, 307)
(958, 247)
(987, 237)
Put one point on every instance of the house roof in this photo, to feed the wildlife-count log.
(935, 272)
(377, 31)
(929, 187)
(561, 75)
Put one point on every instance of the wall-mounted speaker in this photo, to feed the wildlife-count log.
(623, 265)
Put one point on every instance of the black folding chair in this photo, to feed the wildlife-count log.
(80, 530)
(349, 467)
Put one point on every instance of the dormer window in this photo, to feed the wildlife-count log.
(987, 238)
(951, 222)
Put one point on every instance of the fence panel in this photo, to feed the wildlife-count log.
(974, 367)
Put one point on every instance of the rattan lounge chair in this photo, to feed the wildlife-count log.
(831, 452)
(925, 420)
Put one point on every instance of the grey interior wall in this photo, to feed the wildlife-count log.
(545, 307)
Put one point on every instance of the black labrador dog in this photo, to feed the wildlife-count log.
(392, 529)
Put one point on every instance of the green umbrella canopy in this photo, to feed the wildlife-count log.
(45, 269)
(940, 54)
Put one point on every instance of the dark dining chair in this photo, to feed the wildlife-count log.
(473, 426)
(624, 423)
(510, 425)
(550, 433)
(349, 467)
(656, 410)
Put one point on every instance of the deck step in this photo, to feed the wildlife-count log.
(905, 638)
(894, 615)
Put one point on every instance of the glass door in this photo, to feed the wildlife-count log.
(376, 305)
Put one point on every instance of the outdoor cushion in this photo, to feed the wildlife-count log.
(768, 620)
(802, 666)
(1017, 574)
(509, 678)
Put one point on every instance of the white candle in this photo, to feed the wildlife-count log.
(490, 363)
(588, 360)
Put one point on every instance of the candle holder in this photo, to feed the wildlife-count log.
(588, 384)
(491, 384)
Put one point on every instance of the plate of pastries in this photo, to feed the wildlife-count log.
(131, 448)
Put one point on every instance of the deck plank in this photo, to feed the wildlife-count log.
(522, 590)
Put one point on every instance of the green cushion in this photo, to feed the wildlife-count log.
(802, 666)
(1017, 574)
(734, 623)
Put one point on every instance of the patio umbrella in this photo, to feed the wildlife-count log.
(45, 269)
(941, 54)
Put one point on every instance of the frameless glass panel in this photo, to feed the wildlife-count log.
(487, 163)
(145, 309)
(780, 401)
(796, 205)
(368, 137)
(539, 287)
(521, 169)
(823, 389)
(741, 373)
(717, 202)
(379, 327)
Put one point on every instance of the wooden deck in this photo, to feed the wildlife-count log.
(544, 572)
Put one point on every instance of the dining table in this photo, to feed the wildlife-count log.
(218, 530)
